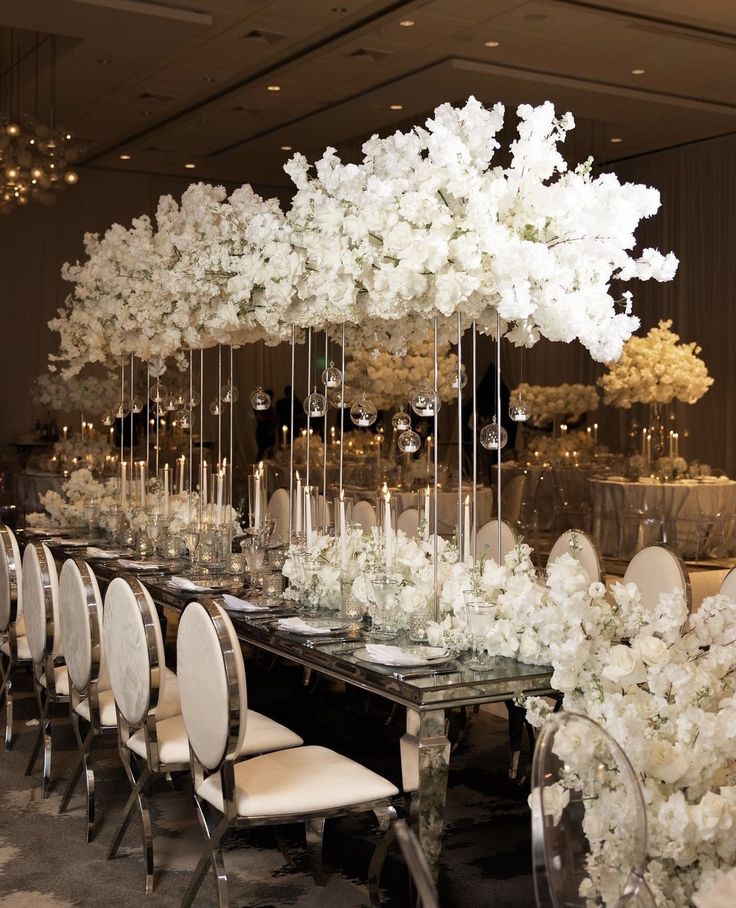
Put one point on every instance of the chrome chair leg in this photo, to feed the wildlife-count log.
(136, 784)
(386, 816)
(206, 859)
(9, 714)
(207, 820)
(315, 833)
(46, 758)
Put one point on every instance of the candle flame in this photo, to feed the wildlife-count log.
(297, 475)
(467, 499)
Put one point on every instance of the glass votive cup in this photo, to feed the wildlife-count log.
(277, 559)
(236, 563)
(258, 577)
(273, 585)
(418, 623)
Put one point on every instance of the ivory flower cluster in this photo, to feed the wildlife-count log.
(657, 368)
(91, 395)
(564, 401)
(425, 225)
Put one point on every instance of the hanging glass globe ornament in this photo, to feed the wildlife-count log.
(463, 379)
(519, 409)
(136, 405)
(424, 402)
(409, 442)
(122, 411)
(216, 408)
(315, 404)
(338, 400)
(363, 413)
(331, 376)
(180, 399)
(491, 438)
(192, 401)
(229, 394)
(259, 400)
(401, 421)
(170, 404)
(182, 418)
(159, 411)
(108, 419)
(158, 393)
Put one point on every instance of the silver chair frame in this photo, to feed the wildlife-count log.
(46, 695)
(90, 693)
(141, 776)
(684, 575)
(9, 663)
(215, 825)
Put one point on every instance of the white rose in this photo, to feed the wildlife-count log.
(564, 679)
(651, 650)
(664, 762)
(556, 798)
(596, 590)
(623, 667)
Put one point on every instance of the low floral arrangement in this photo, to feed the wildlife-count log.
(67, 509)
(316, 449)
(544, 449)
(548, 402)
(90, 448)
(656, 369)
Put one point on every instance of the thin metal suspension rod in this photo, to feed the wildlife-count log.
(462, 543)
(202, 475)
(191, 437)
(342, 405)
(325, 510)
(122, 409)
(232, 416)
(475, 445)
(148, 415)
(291, 436)
(498, 410)
(158, 413)
(219, 406)
(131, 409)
(309, 378)
(436, 472)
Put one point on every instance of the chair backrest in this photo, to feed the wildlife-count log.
(80, 614)
(486, 544)
(569, 778)
(656, 569)
(728, 587)
(212, 683)
(581, 547)
(512, 496)
(134, 650)
(365, 514)
(41, 602)
(278, 510)
(408, 521)
(11, 579)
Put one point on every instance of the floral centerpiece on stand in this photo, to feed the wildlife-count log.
(557, 402)
(67, 509)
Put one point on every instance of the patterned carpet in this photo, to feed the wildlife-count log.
(45, 863)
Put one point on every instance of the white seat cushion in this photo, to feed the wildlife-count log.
(262, 735)
(61, 680)
(297, 781)
(173, 744)
(108, 714)
(22, 647)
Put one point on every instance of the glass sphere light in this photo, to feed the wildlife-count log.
(216, 408)
(401, 421)
(331, 376)
(519, 409)
(424, 402)
(260, 400)
(409, 442)
(363, 413)
(229, 394)
(491, 438)
(136, 405)
(463, 379)
(315, 405)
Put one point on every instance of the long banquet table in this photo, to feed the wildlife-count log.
(424, 748)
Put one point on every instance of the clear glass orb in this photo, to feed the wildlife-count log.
(331, 376)
(315, 405)
(259, 400)
(229, 394)
(136, 405)
(159, 411)
(490, 437)
(181, 399)
(158, 393)
(192, 401)
(107, 419)
(409, 442)
(338, 399)
(519, 409)
(401, 421)
(216, 408)
(170, 404)
(122, 411)
(182, 417)
(363, 413)
(463, 379)
(424, 402)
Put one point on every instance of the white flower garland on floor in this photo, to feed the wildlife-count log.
(656, 368)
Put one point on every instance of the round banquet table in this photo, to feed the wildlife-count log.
(446, 504)
(691, 515)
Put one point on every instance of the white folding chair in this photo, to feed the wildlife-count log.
(14, 652)
(278, 511)
(486, 543)
(408, 521)
(581, 547)
(90, 696)
(303, 784)
(656, 570)
(43, 630)
(728, 587)
(365, 514)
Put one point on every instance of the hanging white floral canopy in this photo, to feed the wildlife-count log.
(424, 226)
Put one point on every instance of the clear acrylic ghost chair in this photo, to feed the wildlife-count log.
(728, 587)
(408, 521)
(512, 498)
(581, 547)
(365, 514)
(14, 652)
(578, 860)
(656, 570)
(486, 543)
(43, 630)
(90, 697)
(299, 785)
(573, 505)
(278, 511)
(640, 527)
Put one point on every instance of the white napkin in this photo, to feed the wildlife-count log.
(393, 655)
(184, 583)
(58, 540)
(241, 605)
(297, 626)
(138, 565)
(722, 894)
(94, 552)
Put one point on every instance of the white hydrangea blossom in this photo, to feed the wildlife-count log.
(568, 401)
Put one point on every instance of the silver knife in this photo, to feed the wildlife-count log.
(424, 673)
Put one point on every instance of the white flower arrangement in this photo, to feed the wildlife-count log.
(544, 449)
(67, 509)
(92, 448)
(91, 395)
(548, 402)
(656, 369)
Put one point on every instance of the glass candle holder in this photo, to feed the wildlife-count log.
(273, 585)
(236, 563)
(418, 623)
(257, 502)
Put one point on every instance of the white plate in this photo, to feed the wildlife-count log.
(429, 655)
(318, 624)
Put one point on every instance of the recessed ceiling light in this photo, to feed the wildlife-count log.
(273, 87)
(491, 44)
(190, 166)
(124, 157)
(286, 147)
(396, 106)
(615, 140)
(638, 72)
(407, 23)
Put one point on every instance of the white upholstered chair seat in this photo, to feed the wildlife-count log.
(298, 781)
(61, 680)
(108, 714)
(173, 744)
(22, 647)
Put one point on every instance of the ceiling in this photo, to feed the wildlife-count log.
(176, 82)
